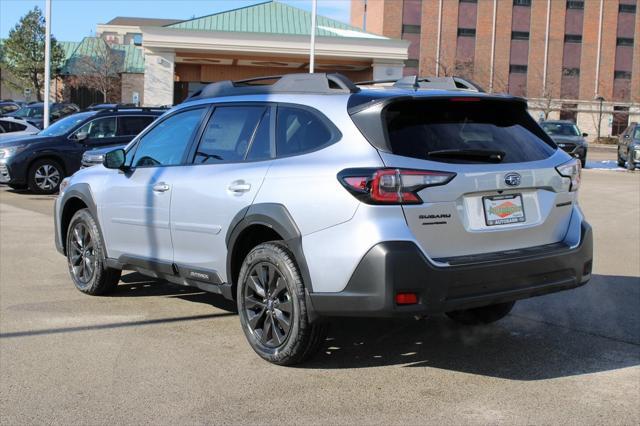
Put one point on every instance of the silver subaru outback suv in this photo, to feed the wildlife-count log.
(312, 197)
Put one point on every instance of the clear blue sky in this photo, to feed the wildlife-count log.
(74, 19)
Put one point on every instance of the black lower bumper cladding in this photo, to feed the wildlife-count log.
(400, 267)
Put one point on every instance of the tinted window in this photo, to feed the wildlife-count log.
(99, 128)
(419, 129)
(261, 145)
(10, 126)
(165, 143)
(8, 108)
(228, 134)
(131, 126)
(636, 133)
(66, 124)
(33, 112)
(299, 130)
(561, 129)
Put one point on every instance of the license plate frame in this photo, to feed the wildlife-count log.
(491, 218)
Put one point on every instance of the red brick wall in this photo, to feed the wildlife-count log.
(589, 49)
(428, 38)
(449, 36)
(608, 54)
(503, 46)
(635, 76)
(556, 47)
(537, 35)
(484, 33)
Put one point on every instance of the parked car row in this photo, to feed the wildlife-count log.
(33, 113)
(629, 147)
(40, 161)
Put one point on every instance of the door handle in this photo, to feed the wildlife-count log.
(239, 186)
(161, 187)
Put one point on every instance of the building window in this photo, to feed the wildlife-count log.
(569, 112)
(620, 120)
(571, 72)
(411, 63)
(623, 75)
(518, 69)
(137, 39)
(412, 29)
(466, 32)
(468, 1)
(623, 41)
(572, 38)
(519, 35)
(522, 3)
(575, 4)
(627, 8)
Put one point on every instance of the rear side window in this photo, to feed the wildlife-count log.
(10, 126)
(300, 130)
(228, 134)
(131, 126)
(446, 130)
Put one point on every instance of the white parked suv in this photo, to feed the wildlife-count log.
(312, 197)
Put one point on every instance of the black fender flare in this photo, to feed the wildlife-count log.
(81, 191)
(277, 217)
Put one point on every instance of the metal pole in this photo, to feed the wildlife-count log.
(493, 45)
(312, 53)
(438, 38)
(597, 85)
(546, 51)
(47, 62)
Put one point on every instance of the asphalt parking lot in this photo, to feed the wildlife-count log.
(162, 354)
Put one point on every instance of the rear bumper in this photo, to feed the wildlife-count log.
(399, 266)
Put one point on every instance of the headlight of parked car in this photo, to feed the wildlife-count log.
(10, 151)
(92, 158)
(63, 185)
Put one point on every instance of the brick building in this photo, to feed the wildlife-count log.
(563, 55)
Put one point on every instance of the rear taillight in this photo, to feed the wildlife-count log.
(572, 169)
(391, 186)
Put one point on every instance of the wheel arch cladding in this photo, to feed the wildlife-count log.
(268, 220)
(47, 156)
(75, 198)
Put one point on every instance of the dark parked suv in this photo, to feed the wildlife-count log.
(568, 137)
(41, 161)
(34, 112)
(629, 147)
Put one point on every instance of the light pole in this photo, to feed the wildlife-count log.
(47, 63)
(600, 99)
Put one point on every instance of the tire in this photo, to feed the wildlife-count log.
(630, 164)
(86, 256)
(274, 319)
(621, 162)
(482, 315)
(583, 161)
(45, 176)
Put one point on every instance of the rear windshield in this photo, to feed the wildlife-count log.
(446, 130)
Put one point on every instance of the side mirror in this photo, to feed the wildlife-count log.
(114, 159)
(584, 135)
(82, 136)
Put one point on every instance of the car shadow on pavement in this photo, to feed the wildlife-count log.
(587, 330)
(137, 285)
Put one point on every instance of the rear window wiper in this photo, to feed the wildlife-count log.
(471, 154)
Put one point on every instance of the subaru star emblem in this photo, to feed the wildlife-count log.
(512, 179)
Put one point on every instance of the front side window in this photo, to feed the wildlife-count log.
(228, 134)
(131, 126)
(300, 130)
(99, 129)
(30, 112)
(66, 124)
(165, 143)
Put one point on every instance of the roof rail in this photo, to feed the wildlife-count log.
(117, 107)
(439, 83)
(317, 83)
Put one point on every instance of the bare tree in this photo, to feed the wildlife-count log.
(100, 70)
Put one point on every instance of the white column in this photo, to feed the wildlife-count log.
(159, 69)
(387, 70)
